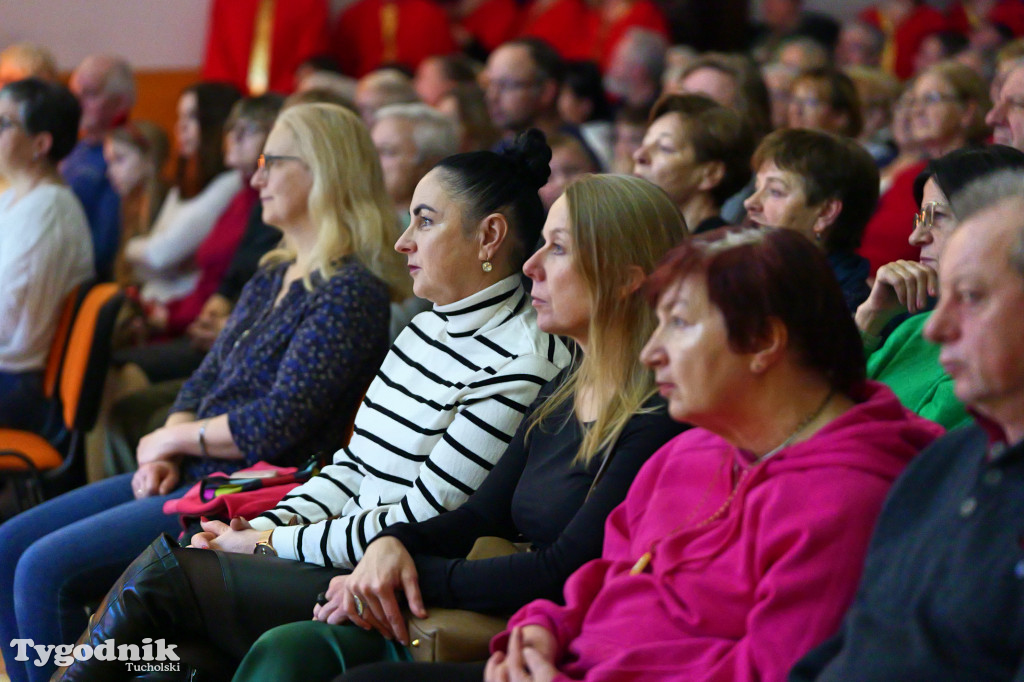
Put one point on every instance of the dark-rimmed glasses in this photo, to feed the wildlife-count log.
(266, 161)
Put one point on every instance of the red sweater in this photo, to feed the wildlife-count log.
(887, 235)
(213, 258)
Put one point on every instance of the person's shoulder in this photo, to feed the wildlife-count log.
(60, 204)
(352, 278)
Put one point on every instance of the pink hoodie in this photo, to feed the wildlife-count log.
(743, 597)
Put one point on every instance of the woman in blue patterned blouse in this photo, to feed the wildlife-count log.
(282, 381)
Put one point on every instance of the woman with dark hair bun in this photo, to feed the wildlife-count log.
(570, 464)
(45, 244)
(436, 418)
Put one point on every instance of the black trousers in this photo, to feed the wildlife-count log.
(415, 672)
(211, 605)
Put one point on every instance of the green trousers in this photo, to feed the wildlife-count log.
(311, 651)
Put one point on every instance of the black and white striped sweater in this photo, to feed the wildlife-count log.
(438, 415)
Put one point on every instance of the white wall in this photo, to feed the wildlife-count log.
(152, 34)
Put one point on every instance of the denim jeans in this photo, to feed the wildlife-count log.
(65, 554)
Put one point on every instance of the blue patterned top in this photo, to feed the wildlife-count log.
(290, 377)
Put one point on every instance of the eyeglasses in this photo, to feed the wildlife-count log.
(806, 102)
(1011, 102)
(266, 161)
(8, 122)
(932, 215)
(930, 98)
(508, 84)
(242, 130)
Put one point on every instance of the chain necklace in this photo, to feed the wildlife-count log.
(646, 557)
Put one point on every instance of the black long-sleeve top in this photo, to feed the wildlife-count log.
(534, 494)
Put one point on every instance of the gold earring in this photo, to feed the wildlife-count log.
(486, 265)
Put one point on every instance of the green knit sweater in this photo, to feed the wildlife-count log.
(909, 365)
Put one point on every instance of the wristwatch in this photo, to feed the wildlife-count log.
(263, 546)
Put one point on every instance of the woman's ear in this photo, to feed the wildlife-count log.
(634, 280)
(492, 232)
(827, 216)
(771, 347)
(41, 144)
(711, 175)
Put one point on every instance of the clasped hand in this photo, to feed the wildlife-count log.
(530, 656)
(385, 568)
(238, 536)
(901, 285)
(159, 477)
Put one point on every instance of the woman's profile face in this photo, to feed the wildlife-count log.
(809, 108)
(932, 234)
(127, 167)
(779, 200)
(445, 263)
(15, 142)
(186, 128)
(667, 159)
(243, 143)
(938, 114)
(560, 294)
(284, 183)
(694, 367)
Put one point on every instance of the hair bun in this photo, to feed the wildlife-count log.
(531, 155)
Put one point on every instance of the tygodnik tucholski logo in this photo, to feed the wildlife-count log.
(151, 656)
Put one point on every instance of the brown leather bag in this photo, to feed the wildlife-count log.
(457, 635)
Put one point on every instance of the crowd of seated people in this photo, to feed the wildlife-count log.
(685, 330)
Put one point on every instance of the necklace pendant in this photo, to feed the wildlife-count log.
(641, 564)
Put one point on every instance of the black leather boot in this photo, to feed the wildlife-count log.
(149, 607)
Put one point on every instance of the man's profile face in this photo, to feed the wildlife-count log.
(99, 108)
(1007, 115)
(513, 89)
(979, 320)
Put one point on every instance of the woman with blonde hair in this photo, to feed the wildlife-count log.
(282, 381)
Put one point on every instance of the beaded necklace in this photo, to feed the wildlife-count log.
(645, 558)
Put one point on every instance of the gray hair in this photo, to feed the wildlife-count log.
(873, 32)
(986, 193)
(393, 85)
(433, 133)
(648, 49)
(119, 79)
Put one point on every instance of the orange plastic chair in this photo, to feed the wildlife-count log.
(38, 467)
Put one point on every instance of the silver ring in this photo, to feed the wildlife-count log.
(360, 607)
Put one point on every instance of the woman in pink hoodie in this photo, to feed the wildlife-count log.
(740, 543)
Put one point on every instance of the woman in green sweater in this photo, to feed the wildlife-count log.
(904, 360)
